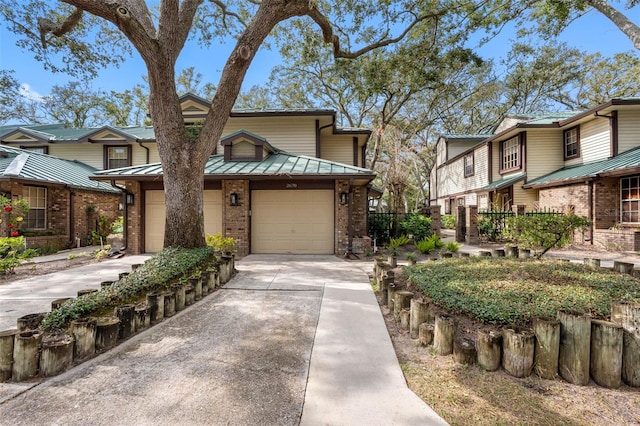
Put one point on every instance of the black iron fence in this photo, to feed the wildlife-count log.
(383, 226)
(491, 223)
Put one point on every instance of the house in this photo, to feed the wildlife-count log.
(63, 202)
(585, 162)
(297, 178)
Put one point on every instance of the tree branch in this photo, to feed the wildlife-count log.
(226, 12)
(46, 26)
(630, 29)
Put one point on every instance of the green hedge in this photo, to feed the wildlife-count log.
(158, 272)
(514, 291)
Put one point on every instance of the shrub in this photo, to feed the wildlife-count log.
(426, 245)
(102, 231)
(448, 221)
(13, 252)
(160, 271)
(453, 247)
(221, 244)
(417, 225)
(398, 242)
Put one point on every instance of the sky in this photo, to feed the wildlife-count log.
(591, 33)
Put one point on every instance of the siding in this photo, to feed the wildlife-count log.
(451, 178)
(628, 130)
(544, 152)
(296, 135)
(594, 140)
(339, 148)
(528, 197)
(441, 151)
(88, 153)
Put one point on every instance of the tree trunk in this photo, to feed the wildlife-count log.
(444, 333)
(628, 316)
(547, 347)
(464, 351)
(489, 346)
(419, 315)
(518, 348)
(606, 354)
(575, 347)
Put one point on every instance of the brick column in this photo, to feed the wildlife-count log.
(341, 243)
(460, 224)
(132, 221)
(235, 219)
(473, 235)
(436, 220)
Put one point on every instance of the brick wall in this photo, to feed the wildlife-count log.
(341, 240)
(606, 201)
(87, 208)
(617, 239)
(133, 220)
(235, 219)
(566, 198)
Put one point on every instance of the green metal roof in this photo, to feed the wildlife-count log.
(279, 163)
(503, 183)
(627, 160)
(58, 132)
(21, 164)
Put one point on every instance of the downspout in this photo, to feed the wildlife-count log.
(318, 130)
(147, 149)
(590, 212)
(70, 225)
(350, 220)
(613, 126)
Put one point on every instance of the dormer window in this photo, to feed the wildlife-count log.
(245, 146)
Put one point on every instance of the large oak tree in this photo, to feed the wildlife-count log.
(92, 33)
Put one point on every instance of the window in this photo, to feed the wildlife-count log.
(36, 197)
(630, 199)
(117, 156)
(572, 143)
(38, 149)
(510, 154)
(468, 165)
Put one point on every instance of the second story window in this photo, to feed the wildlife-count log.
(38, 149)
(117, 156)
(572, 143)
(510, 154)
(468, 165)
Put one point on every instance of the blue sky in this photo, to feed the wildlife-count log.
(591, 33)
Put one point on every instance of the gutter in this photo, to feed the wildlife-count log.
(147, 149)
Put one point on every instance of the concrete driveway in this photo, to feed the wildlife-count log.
(290, 340)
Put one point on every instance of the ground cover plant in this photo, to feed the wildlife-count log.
(514, 291)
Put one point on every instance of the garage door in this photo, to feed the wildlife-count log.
(155, 217)
(292, 221)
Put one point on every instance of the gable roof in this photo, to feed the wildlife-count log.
(34, 167)
(58, 133)
(277, 165)
(625, 163)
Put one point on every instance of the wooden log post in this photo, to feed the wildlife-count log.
(83, 331)
(402, 301)
(26, 353)
(135, 266)
(489, 349)
(425, 334)
(446, 255)
(86, 291)
(56, 355)
(105, 284)
(606, 353)
(30, 321)
(179, 291)
(444, 334)
(155, 302)
(497, 252)
(623, 267)
(7, 338)
(484, 253)
(628, 316)
(511, 251)
(525, 253)
(126, 316)
(189, 296)
(169, 303)
(575, 347)
(107, 330)
(55, 304)
(518, 352)
(143, 317)
(419, 314)
(464, 351)
(405, 314)
(205, 277)
(547, 347)
(465, 254)
(592, 262)
(122, 275)
(196, 282)
(391, 296)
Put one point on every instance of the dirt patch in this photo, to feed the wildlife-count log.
(32, 269)
(465, 395)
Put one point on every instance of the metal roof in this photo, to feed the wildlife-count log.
(277, 164)
(502, 183)
(627, 160)
(21, 164)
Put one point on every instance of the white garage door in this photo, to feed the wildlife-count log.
(155, 216)
(299, 222)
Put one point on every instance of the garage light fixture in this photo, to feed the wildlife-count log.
(233, 199)
(344, 198)
(128, 199)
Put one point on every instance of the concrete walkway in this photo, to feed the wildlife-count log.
(290, 340)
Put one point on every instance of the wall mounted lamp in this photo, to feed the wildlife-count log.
(344, 198)
(233, 199)
(128, 199)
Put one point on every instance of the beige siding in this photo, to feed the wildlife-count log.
(296, 135)
(243, 148)
(594, 140)
(544, 152)
(339, 148)
(521, 196)
(441, 152)
(628, 130)
(451, 178)
(88, 153)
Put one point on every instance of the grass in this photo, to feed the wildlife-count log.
(514, 291)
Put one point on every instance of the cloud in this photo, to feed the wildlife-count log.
(28, 93)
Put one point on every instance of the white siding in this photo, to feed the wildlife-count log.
(451, 178)
(441, 151)
(544, 152)
(594, 140)
(628, 130)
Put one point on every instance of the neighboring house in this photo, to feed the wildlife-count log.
(282, 181)
(58, 193)
(586, 162)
